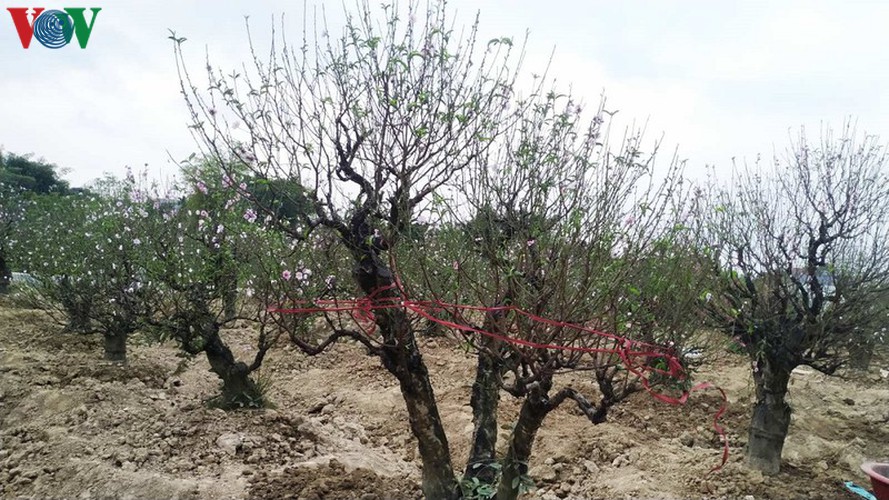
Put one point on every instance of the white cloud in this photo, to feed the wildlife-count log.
(721, 79)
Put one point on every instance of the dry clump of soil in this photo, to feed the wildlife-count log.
(73, 426)
(331, 481)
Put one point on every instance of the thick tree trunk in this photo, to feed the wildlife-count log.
(485, 402)
(238, 389)
(401, 357)
(771, 417)
(515, 464)
(116, 346)
(438, 474)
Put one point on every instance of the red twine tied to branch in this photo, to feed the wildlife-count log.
(362, 311)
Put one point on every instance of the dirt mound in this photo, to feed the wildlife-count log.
(331, 481)
(73, 426)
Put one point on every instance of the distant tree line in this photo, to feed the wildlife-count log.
(24, 172)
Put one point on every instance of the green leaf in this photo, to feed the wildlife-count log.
(504, 40)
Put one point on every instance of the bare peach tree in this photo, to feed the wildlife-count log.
(802, 267)
(370, 123)
(574, 233)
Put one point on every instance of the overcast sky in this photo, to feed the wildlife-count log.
(719, 79)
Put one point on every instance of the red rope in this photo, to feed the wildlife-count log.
(628, 350)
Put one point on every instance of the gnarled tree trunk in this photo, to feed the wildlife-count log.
(116, 345)
(485, 401)
(238, 389)
(401, 357)
(535, 408)
(771, 416)
(515, 464)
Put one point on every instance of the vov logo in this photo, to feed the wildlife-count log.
(53, 28)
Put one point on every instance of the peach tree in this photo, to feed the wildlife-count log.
(83, 251)
(801, 264)
(215, 264)
(561, 237)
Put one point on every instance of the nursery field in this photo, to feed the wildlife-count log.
(74, 426)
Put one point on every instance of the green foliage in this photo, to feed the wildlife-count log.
(521, 483)
(253, 399)
(12, 211)
(36, 176)
(84, 252)
(475, 489)
(285, 199)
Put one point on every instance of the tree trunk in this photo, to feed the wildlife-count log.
(401, 357)
(116, 346)
(515, 464)
(771, 416)
(485, 401)
(238, 390)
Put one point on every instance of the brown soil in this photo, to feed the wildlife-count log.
(74, 426)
